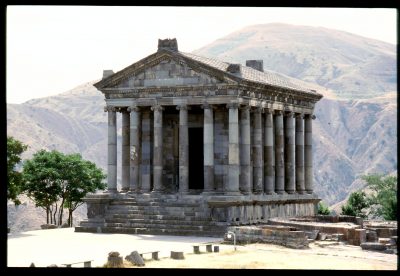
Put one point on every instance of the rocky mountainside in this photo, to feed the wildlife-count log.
(354, 66)
(351, 136)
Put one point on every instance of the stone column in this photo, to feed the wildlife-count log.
(269, 156)
(158, 148)
(125, 151)
(279, 165)
(135, 148)
(289, 153)
(308, 160)
(112, 149)
(183, 149)
(145, 164)
(233, 154)
(299, 154)
(257, 152)
(208, 141)
(245, 177)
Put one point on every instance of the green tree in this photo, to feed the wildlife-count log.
(56, 181)
(323, 209)
(14, 150)
(384, 196)
(355, 204)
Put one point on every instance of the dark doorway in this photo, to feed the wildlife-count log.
(196, 175)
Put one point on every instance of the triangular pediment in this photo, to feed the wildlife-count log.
(165, 69)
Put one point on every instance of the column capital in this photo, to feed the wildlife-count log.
(232, 105)
(207, 106)
(278, 112)
(289, 114)
(257, 109)
(269, 110)
(157, 107)
(244, 107)
(109, 108)
(182, 107)
(299, 115)
(133, 108)
(311, 116)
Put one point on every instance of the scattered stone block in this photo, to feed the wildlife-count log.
(48, 226)
(52, 265)
(371, 236)
(114, 260)
(209, 247)
(135, 258)
(384, 240)
(321, 236)
(312, 234)
(196, 249)
(375, 246)
(216, 248)
(32, 265)
(177, 255)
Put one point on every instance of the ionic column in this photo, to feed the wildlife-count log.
(257, 153)
(289, 153)
(125, 151)
(183, 149)
(269, 156)
(299, 154)
(245, 163)
(112, 149)
(158, 148)
(279, 165)
(135, 148)
(308, 160)
(145, 164)
(208, 141)
(233, 154)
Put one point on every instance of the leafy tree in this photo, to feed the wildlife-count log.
(14, 150)
(355, 204)
(56, 181)
(384, 195)
(323, 209)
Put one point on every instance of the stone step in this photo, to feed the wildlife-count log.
(163, 226)
(155, 217)
(166, 231)
(152, 212)
(164, 221)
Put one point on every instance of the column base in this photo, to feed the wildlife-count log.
(280, 192)
(111, 191)
(290, 192)
(232, 193)
(309, 192)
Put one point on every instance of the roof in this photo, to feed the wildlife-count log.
(250, 74)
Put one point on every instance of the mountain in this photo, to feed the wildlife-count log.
(351, 137)
(353, 66)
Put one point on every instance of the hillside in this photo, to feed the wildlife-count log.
(354, 66)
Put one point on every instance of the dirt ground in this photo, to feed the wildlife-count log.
(268, 256)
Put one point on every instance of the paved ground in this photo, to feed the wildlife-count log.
(58, 246)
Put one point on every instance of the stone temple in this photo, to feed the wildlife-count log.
(205, 144)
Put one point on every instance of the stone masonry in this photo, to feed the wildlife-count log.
(205, 144)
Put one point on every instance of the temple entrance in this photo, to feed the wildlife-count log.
(196, 159)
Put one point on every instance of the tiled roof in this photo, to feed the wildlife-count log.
(250, 74)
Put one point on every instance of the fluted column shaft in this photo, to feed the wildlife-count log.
(125, 151)
(257, 153)
(233, 154)
(299, 154)
(269, 155)
(308, 159)
(158, 148)
(145, 164)
(245, 163)
(112, 149)
(208, 141)
(289, 153)
(183, 149)
(135, 148)
(279, 160)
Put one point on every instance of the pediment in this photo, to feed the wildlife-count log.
(165, 70)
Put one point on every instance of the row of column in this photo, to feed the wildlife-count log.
(285, 167)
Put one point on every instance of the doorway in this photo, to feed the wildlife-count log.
(196, 160)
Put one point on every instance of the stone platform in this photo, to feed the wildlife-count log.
(187, 214)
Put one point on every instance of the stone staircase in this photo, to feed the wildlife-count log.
(160, 215)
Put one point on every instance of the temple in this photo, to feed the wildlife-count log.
(205, 144)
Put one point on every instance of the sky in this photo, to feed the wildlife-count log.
(52, 49)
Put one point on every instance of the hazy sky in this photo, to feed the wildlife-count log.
(52, 49)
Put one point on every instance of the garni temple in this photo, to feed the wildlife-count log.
(205, 144)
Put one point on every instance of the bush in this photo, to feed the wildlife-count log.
(323, 209)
